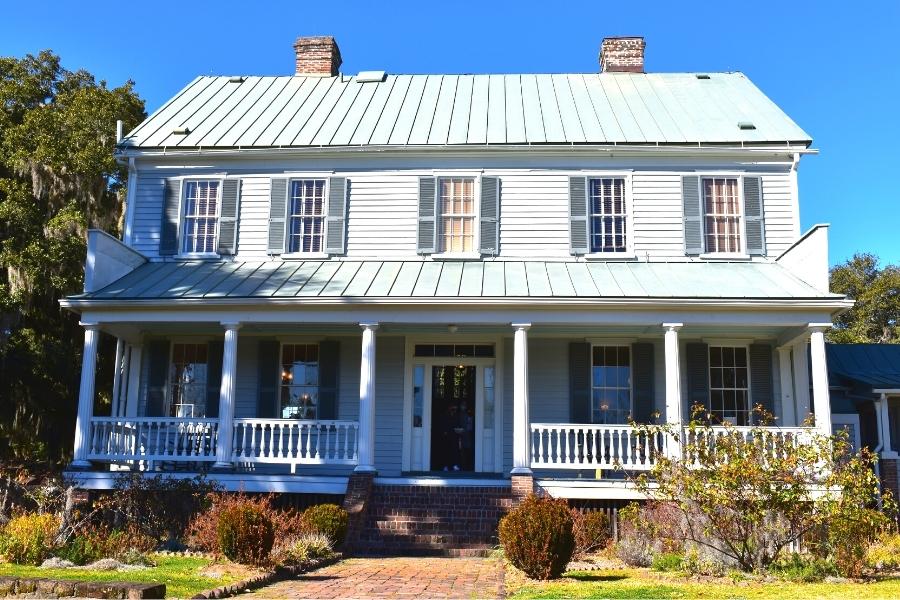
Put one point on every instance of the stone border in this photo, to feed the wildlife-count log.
(68, 588)
(279, 574)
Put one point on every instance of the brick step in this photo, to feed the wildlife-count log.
(409, 550)
(429, 537)
(434, 516)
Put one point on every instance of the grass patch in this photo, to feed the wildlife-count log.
(641, 583)
(184, 576)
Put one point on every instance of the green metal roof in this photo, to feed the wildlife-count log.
(875, 365)
(442, 110)
(454, 279)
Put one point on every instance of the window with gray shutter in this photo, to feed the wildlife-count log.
(157, 377)
(693, 215)
(696, 356)
(268, 379)
(329, 360)
(425, 232)
(214, 353)
(277, 208)
(336, 220)
(578, 216)
(580, 382)
(761, 386)
(754, 218)
(228, 217)
(642, 382)
(489, 223)
(168, 234)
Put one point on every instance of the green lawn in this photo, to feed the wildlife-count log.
(638, 583)
(181, 574)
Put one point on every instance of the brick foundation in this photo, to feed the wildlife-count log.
(522, 485)
(356, 503)
(890, 478)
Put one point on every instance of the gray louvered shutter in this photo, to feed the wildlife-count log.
(329, 360)
(157, 377)
(425, 233)
(168, 229)
(214, 353)
(277, 212)
(267, 379)
(754, 216)
(697, 359)
(580, 382)
(336, 221)
(228, 216)
(579, 230)
(693, 215)
(490, 216)
(761, 386)
(642, 382)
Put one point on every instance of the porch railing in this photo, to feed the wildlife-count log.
(294, 442)
(774, 441)
(577, 446)
(153, 439)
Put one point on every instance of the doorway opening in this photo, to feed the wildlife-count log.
(453, 418)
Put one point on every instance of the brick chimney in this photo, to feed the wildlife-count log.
(622, 55)
(317, 56)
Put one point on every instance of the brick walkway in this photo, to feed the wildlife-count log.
(395, 578)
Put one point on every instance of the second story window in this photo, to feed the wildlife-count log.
(721, 215)
(201, 217)
(608, 218)
(306, 216)
(299, 381)
(456, 203)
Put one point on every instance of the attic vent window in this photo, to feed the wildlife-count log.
(237, 79)
(181, 131)
(702, 76)
(746, 125)
(370, 76)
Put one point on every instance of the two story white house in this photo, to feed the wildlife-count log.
(451, 280)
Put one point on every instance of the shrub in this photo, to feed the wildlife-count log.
(29, 539)
(803, 568)
(245, 534)
(202, 534)
(120, 542)
(300, 549)
(537, 537)
(328, 519)
(82, 549)
(647, 530)
(667, 561)
(698, 564)
(591, 531)
(884, 553)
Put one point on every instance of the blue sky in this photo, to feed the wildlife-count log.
(834, 67)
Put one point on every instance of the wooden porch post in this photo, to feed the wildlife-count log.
(821, 400)
(226, 397)
(884, 422)
(788, 406)
(673, 389)
(86, 396)
(521, 423)
(366, 461)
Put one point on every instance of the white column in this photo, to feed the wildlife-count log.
(118, 376)
(133, 393)
(887, 451)
(821, 400)
(366, 463)
(788, 412)
(226, 397)
(801, 381)
(86, 395)
(521, 422)
(674, 405)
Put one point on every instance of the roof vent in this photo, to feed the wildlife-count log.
(237, 79)
(701, 76)
(746, 125)
(370, 76)
(181, 131)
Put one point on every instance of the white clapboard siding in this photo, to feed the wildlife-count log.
(382, 215)
(534, 215)
(253, 233)
(657, 208)
(779, 213)
(148, 206)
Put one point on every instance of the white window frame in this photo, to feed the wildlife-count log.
(296, 342)
(709, 368)
(613, 344)
(182, 219)
(168, 398)
(440, 253)
(742, 253)
(629, 252)
(326, 177)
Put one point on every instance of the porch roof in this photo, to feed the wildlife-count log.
(871, 365)
(431, 280)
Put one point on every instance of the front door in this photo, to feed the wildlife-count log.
(453, 418)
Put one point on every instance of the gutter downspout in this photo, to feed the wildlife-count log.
(795, 194)
(878, 448)
(130, 196)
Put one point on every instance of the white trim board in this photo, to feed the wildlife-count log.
(231, 482)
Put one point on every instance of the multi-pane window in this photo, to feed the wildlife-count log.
(306, 216)
(201, 216)
(722, 214)
(729, 384)
(187, 380)
(456, 204)
(609, 220)
(299, 381)
(611, 384)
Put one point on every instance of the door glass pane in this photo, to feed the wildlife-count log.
(418, 394)
(489, 397)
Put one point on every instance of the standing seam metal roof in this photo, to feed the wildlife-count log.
(438, 110)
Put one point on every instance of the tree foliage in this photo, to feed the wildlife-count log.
(58, 177)
(876, 316)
